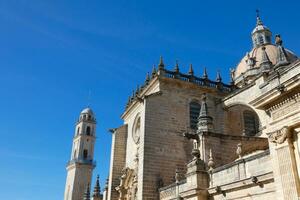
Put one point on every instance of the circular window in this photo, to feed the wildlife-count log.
(136, 130)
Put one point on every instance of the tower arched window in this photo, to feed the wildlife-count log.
(194, 114)
(85, 153)
(88, 130)
(78, 130)
(251, 124)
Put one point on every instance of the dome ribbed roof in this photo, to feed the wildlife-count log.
(256, 55)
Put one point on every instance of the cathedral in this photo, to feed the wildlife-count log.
(193, 138)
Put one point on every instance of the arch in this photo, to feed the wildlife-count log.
(78, 130)
(194, 109)
(88, 130)
(241, 119)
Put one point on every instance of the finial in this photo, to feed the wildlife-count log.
(239, 150)
(205, 76)
(210, 163)
(137, 91)
(128, 101)
(219, 78)
(153, 71)
(258, 20)
(147, 78)
(176, 67)
(133, 95)
(161, 64)
(191, 70)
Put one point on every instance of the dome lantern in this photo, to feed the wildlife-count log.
(261, 34)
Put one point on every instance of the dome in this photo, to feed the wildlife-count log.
(87, 114)
(87, 111)
(255, 55)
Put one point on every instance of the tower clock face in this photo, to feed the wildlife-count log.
(136, 130)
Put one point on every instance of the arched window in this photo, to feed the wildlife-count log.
(88, 130)
(194, 114)
(85, 153)
(250, 123)
(78, 130)
(89, 117)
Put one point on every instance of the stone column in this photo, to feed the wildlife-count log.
(284, 164)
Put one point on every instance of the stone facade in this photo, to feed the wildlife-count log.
(243, 144)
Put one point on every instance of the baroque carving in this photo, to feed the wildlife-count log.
(279, 136)
(128, 185)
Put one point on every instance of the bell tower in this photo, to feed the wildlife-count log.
(81, 164)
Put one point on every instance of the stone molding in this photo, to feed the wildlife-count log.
(294, 97)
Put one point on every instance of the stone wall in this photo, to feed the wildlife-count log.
(117, 162)
(166, 119)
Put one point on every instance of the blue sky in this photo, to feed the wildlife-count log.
(53, 52)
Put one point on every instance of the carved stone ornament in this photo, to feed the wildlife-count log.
(128, 185)
(279, 136)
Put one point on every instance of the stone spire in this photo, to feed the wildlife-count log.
(205, 122)
(265, 64)
(219, 78)
(176, 69)
(161, 64)
(96, 192)
(281, 53)
(86, 195)
(191, 70)
(205, 76)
